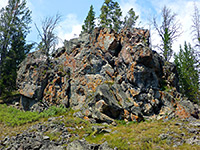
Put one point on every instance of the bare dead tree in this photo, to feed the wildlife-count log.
(47, 35)
(196, 35)
(169, 31)
(196, 26)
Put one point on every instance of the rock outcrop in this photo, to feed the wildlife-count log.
(106, 76)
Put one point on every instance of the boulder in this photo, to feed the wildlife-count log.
(32, 78)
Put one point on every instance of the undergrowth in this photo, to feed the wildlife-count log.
(12, 116)
(124, 136)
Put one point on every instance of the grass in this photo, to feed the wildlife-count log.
(144, 135)
(14, 117)
(124, 136)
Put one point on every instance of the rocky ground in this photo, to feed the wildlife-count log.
(52, 134)
(68, 132)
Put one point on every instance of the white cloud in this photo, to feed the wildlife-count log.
(127, 5)
(69, 28)
(3, 3)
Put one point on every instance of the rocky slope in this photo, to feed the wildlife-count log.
(63, 132)
(106, 76)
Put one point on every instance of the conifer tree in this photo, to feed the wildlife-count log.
(130, 19)
(116, 17)
(14, 21)
(89, 23)
(188, 75)
(110, 16)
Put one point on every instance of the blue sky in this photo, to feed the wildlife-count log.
(75, 11)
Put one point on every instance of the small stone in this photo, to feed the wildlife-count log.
(163, 136)
(46, 138)
(196, 124)
(17, 104)
(178, 124)
(182, 134)
(115, 132)
(193, 140)
(85, 135)
(97, 128)
(114, 123)
(106, 131)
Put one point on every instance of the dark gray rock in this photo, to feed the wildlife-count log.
(83, 145)
(193, 140)
(196, 124)
(193, 130)
(163, 136)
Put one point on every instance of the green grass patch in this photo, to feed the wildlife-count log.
(14, 117)
(54, 111)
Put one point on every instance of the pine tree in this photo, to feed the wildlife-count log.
(116, 15)
(89, 23)
(130, 19)
(110, 16)
(188, 75)
(14, 20)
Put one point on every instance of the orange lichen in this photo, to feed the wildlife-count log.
(126, 114)
(91, 86)
(31, 93)
(135, 104)
(134, 117)
(133, 92)
(109, 74)
(62, 79)
(57, 80)
(84, 66)
(181, 112)
(86, 118)
(71, 62)
(98, 81)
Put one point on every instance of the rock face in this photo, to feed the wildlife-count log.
(106, 76)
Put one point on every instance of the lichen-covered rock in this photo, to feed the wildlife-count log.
(106, 76)
(32, 78)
